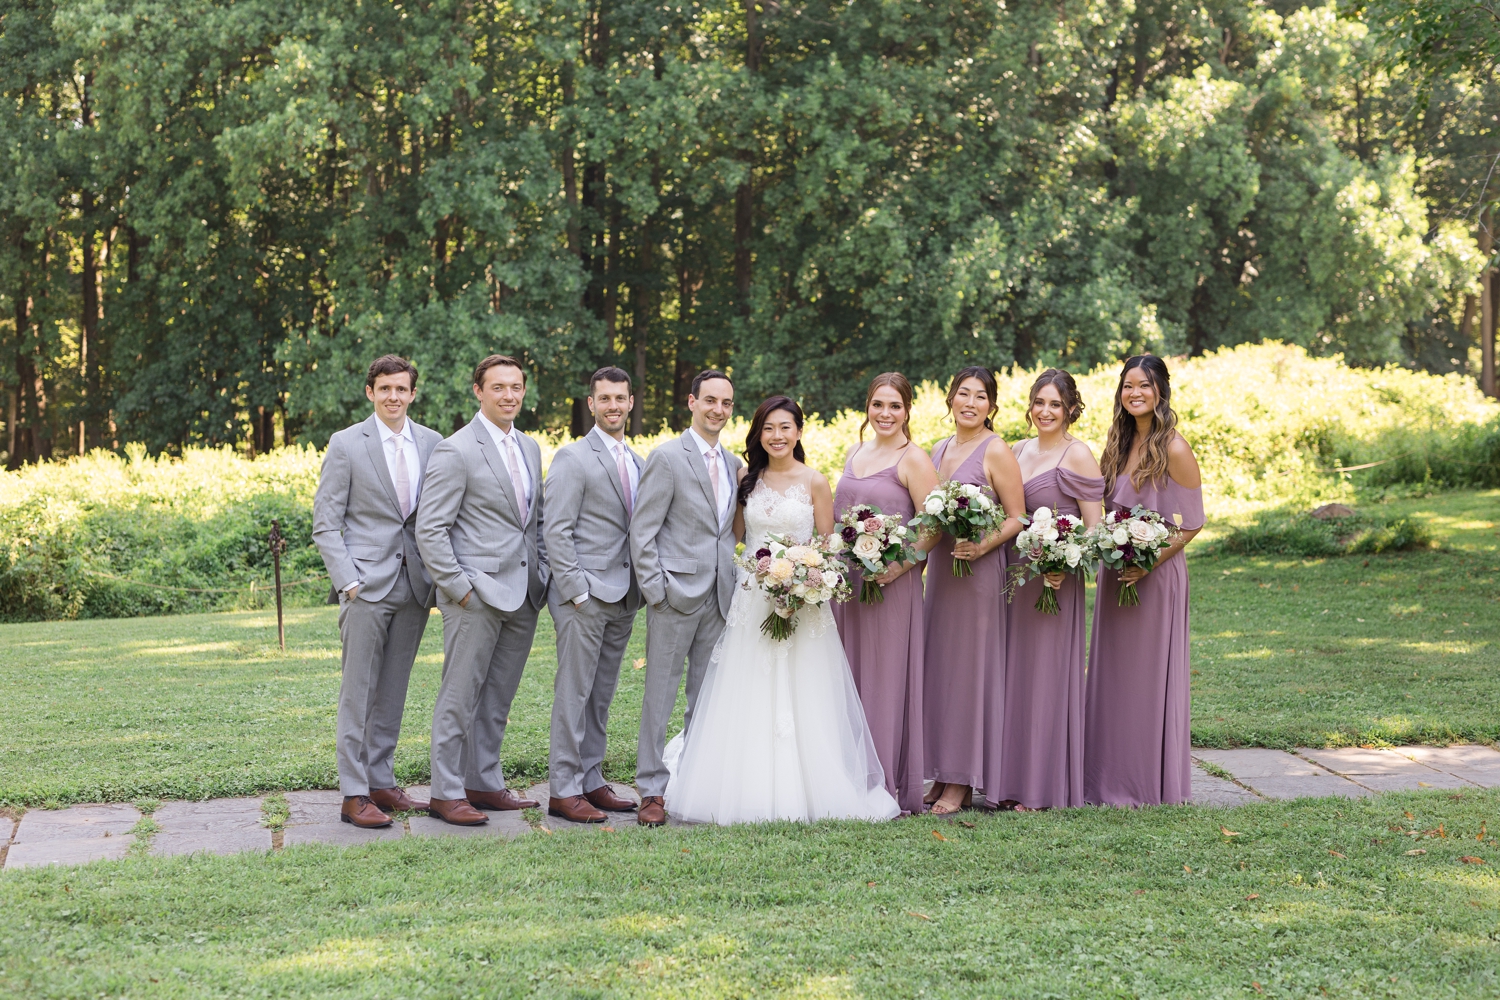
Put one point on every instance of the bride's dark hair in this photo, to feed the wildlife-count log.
(756, 458)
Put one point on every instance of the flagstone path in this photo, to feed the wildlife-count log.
(86, 833)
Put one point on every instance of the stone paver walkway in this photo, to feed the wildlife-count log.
(86, 833)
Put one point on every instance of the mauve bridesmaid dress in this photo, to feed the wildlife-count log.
(963, 689)
(884, 645)
(1041, 754)
(1137, 734)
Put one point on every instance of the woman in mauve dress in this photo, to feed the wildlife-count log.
(1041, 753)
(963, 691)
(884, 641)
(1137, 735)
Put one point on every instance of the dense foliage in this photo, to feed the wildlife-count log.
(109, 536)
(215, 213)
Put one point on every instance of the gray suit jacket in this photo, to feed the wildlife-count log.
(469, 527)
(357, 524)
(588, 531)
(682, 554)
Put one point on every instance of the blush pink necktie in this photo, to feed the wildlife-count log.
(712, 457)
(403, 478)
(516, 479)
(624, 480)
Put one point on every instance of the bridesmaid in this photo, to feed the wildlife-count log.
(1041, 747)
(1136, 725)
(963, 688)
(884, 641)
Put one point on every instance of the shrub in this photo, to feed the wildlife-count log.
(1311, 537)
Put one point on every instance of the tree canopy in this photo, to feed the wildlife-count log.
(215, 213)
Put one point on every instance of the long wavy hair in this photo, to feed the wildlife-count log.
(756, 458)
(902, 386)
(987, 379)
(1153, 467)
(1067, 390)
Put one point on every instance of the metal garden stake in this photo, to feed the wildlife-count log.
(278, 546)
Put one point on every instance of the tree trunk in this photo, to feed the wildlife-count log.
(744, 195)
(1487, 292)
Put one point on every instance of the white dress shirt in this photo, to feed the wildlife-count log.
(615, 448)
(413, 463)
(726, 484)
(505, 440)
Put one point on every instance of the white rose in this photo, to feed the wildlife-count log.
(1073, 554)
(835, 543)
(934, 505)
(859, 527)
(1120, 535)
(1162, 531)
(1025, 540)
(1142, 532)
(867, 547)
(1042, 514)
(799, 590)
(898, 532)
(1050, 534)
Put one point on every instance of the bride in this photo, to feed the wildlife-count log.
(778, 731)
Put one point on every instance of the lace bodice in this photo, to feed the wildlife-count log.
(768, 512)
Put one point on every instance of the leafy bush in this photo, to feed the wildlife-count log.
(1311, 537)
(1271, 427)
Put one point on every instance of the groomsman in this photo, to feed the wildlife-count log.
(480, 532)
(364, 525)
(682, 543)
(591, 489)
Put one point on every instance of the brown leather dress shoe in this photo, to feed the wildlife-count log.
(395, 800)
(575, 809)
(653, 811)
(456, 811)
(605, 798)
(503, 800)
(359, 810)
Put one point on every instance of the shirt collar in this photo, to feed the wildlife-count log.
(609, 442)
(495, 429)
(386, 433)
(703, 446)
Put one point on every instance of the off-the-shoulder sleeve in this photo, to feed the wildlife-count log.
(1185, 503)
(1079, 486)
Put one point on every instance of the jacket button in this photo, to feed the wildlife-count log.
(523, 562)
(627, 564)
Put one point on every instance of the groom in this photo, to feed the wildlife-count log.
(682, 541)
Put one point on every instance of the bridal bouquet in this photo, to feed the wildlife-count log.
(966, 512)
(1051, 543)
(875, 541)
(794, 576)
(1123, 540)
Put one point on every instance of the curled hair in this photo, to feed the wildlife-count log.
(987, 379)
(1066, 388)
(756, 457)
(1122, 430)
(902, 386)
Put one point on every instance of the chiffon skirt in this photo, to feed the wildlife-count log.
(778, 732)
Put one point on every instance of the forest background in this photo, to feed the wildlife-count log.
(214, 214)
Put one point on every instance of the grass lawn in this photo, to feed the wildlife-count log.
(1086, 903)
(1285, 653)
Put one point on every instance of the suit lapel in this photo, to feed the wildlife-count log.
(607, 462)
(496, 462)
(376, 451)
(700, 469)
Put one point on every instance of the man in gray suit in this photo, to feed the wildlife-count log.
(682, 542)
(364, 525)
(480, 532)
(591, 490)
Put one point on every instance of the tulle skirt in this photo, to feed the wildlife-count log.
(778, 732)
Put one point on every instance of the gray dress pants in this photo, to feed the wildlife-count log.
(591, 640)
(671, 637)
(484, 654)
(380, 640)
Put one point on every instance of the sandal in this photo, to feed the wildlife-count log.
(967, 802)
(934, 793)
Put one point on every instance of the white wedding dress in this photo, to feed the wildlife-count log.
(778, 732)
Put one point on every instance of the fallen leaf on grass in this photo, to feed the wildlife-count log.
(964, 822)
(1140, 892)
(1409, 816)
(1187, 868)
(1416, 852)
(1469, 859)
(870, 884)
(608, 829)
(1480, 834)
(543, 829)
(686, 851)
(639, 662)
(939, 836)
(1257, 987)
(1336, 854)
(1228, 832)
(1253, 895)
(919, 916)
